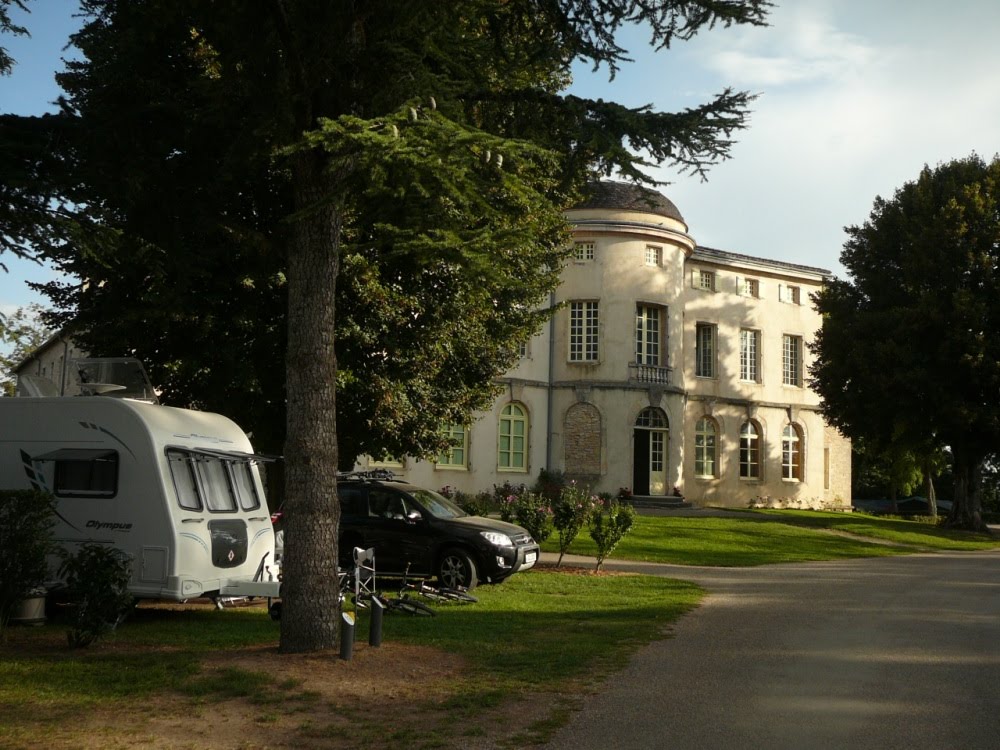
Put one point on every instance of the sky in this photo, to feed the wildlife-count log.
(854, 98)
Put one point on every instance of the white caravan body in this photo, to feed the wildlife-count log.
(177, 490)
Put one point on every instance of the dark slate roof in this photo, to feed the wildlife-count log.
(625, 195)
(711, 253)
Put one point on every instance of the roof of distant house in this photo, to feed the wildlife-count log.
(628, 196)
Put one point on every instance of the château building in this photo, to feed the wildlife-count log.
(667, 366)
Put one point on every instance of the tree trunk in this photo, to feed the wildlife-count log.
(966, 509)
(929, 490)
(310, 591)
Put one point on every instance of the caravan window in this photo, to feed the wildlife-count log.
(245, 487)
(184, 481)
(83, 472)
(216, 489)
(212, 480)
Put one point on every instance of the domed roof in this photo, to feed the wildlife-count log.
(630, 197)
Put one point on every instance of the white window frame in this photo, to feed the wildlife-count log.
(654, 255)
(458, 434)
(703, 279)
(751, 449)
(791, 360)
(792, 465)
(584, 331)
(748, 287)
(650, 335)
(510, 458)
(706, 448)
(790, 294)
(749, 355)
(583, 252)
(706, 336)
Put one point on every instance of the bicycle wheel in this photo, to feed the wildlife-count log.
(457, 595)
(431, 593)
(410, 607)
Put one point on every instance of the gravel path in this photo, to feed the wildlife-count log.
(900, 652)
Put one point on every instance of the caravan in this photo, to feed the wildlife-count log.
(177, 490)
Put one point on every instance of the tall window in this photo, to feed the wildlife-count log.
(457, 455)
(583, 251)
(704, 350)
(584, 323)
(791, 361)
(749, 355)
(512, 448)
(654, 255)
(749, 451)
(648, 335)
(791, 453)
(705, 447)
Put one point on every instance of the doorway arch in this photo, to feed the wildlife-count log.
(650, 438)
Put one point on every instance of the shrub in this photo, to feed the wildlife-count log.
(97, 578)
(533, 512)
(569, 514)
(26, 520)
(505, 499)
(474, 505)
(609, 523)
(550, 484)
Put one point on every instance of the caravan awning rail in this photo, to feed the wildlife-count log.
(241, 456)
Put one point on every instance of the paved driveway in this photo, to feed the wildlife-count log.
(876, 653)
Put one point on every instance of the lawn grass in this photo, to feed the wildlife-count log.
(764, 537)
(545, 631)
(918, 532)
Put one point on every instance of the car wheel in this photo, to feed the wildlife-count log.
(457, 569)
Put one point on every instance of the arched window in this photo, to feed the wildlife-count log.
(705, 433)
(750, 441)
(652, 418)
(791, 453)
(512, 439)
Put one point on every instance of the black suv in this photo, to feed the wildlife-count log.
(417, 528)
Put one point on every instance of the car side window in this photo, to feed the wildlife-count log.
(352, 500)
(384, 503)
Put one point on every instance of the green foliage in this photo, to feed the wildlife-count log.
(609, 522)
(26, 520)
(925, 267)
(569, 514)
(97, 578)
(534, 513)
(505, 499)
(550, 484)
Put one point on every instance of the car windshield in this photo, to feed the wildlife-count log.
(437, 505)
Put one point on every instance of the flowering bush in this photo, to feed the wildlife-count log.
(609, 523)
(533, 512)
(505, 500)
(569, 514)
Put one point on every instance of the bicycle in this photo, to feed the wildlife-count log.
(438, 593)
(402, 602)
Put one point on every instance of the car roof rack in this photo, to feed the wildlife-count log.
(372, 475)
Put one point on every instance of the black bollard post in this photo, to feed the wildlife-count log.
(347, 636)
(375, 626)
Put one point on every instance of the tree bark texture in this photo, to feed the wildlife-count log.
(310, 615)
(967, 509)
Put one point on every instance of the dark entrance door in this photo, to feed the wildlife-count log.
(640, 462)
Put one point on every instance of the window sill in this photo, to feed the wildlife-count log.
(440, 467)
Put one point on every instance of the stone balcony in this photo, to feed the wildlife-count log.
(648, 374)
